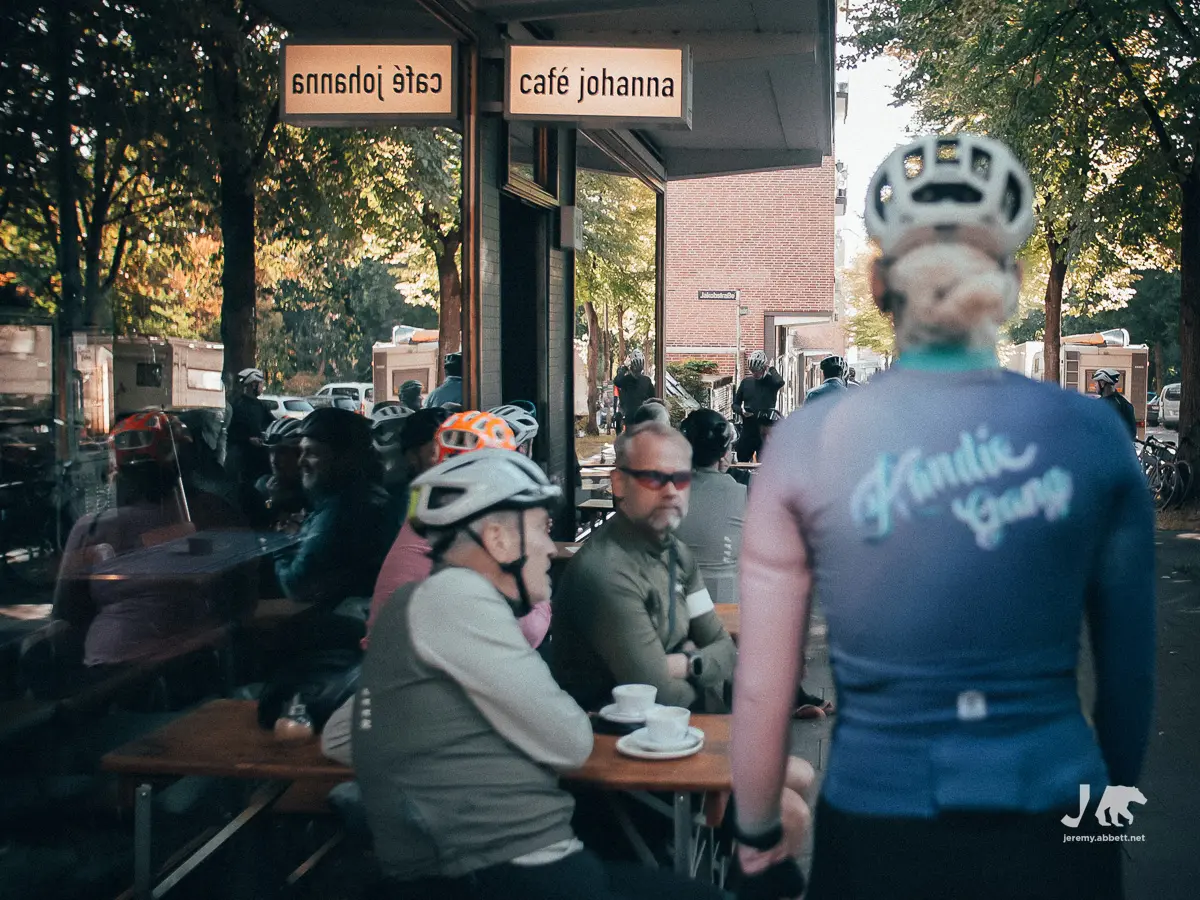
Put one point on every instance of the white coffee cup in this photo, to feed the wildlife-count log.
(634, 699)
(667, 725)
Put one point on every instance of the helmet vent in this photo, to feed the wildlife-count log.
(947, 151)
(914, 165)
(936, 193)
(883, 196)
(1012, 199)
(981, 163)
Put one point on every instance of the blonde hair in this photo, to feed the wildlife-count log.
(953, 293)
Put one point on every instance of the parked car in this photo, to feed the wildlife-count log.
(285, 407)
(362, 395)
(1152, 409)
(1168, 409)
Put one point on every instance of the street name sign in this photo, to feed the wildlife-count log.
(717, 295)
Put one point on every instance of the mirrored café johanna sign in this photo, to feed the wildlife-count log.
(364, 83)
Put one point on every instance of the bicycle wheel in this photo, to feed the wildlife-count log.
(1168, 486)
(1185, 482)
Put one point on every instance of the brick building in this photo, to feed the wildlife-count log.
(769, 235)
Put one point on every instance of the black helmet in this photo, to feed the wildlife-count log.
(833, 367)
(412, 386)
(710, 435)
(421, 427)
(454, 363)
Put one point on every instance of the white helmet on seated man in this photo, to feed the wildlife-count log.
(490, 511)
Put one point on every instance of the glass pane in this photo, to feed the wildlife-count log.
(521, 151)
(204, 380)
(150, 375)
(297, 405)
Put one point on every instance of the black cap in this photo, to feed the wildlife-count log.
(710, 435)
(339, 428)
(421, 426)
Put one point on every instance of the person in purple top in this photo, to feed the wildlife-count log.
(960, 523)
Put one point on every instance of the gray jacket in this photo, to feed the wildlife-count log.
(459, 731)
(713, 531)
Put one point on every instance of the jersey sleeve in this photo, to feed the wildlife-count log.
(1121, 616)
(462, 627)
(774, 590)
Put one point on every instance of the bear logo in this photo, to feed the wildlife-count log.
(1114, 805)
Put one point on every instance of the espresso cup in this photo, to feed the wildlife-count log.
(667, 724)
(634, 699)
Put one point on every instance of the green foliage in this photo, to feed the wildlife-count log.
(688, 373)
(870, 329)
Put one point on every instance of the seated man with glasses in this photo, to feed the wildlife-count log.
(632, 607)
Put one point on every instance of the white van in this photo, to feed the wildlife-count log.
(1168, 408)
(361, 393)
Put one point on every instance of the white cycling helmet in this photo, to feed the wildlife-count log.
(523, 423)
(467, 486)
(252, 376)
(757, 361)
(1106, 376)
(387, 424)
(637, 362)
(282, 431)
(960, 187)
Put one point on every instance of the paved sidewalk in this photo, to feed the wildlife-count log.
(1167, 865)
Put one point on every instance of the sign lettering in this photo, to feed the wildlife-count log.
(717, 295)
(565, 82)
(336, 84)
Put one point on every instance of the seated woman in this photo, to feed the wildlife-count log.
(126, 619)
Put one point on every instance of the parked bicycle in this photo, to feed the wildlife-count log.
(1168, 477)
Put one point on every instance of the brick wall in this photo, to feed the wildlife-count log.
(769, 235)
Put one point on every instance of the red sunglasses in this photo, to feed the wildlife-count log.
(656, 481)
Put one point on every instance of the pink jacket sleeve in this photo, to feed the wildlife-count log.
(536, 623)
(774, 590)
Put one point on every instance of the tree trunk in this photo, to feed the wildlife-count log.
(1158, 368)
(1053, 303)
(236, 171)
(622, 352)
(593, 366)
(450, 299)
(70, 309)
(1189, 321)
(238, 270)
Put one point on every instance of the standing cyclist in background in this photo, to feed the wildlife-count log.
(450, 390)
(833, 369)
(753, 399)
(961, 520)
(245, 452)
(634, 387)
(410, 394)
(1106, 386)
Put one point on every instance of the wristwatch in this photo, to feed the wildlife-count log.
(762, 840)
(695, 664)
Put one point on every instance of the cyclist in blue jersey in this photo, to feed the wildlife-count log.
(959, 521)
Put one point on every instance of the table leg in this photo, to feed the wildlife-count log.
(143, 807)
(683, 833)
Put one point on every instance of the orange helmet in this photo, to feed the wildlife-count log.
(144, 436)
(473, 430)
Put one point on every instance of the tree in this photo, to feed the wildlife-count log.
(1131, 66)
(868, 328)
(614, 273)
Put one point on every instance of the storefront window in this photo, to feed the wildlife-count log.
(532, 163)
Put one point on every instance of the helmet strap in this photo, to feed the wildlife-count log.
(515, 568)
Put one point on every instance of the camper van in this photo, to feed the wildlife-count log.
(1079, 358)
(166, 372)
(411, 355)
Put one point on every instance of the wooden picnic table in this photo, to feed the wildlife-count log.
(173, 559)
(730, 615)
(604, 503)
(564, 550)
(222, 739)
(744, 465)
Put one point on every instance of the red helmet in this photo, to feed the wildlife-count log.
(144, 436)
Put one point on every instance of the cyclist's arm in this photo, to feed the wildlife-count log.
(737, 400)
(618, 627)
(774, 591)
(773, 378)
(713, 644)
(1121, 616)
(460, 625)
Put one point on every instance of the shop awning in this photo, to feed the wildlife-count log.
(763, 81)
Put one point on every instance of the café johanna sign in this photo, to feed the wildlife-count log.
(364, 83)
(595, 84)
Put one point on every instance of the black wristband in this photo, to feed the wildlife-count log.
(763, 840)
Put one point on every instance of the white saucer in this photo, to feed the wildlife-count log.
(631, 746)
(610, 713)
